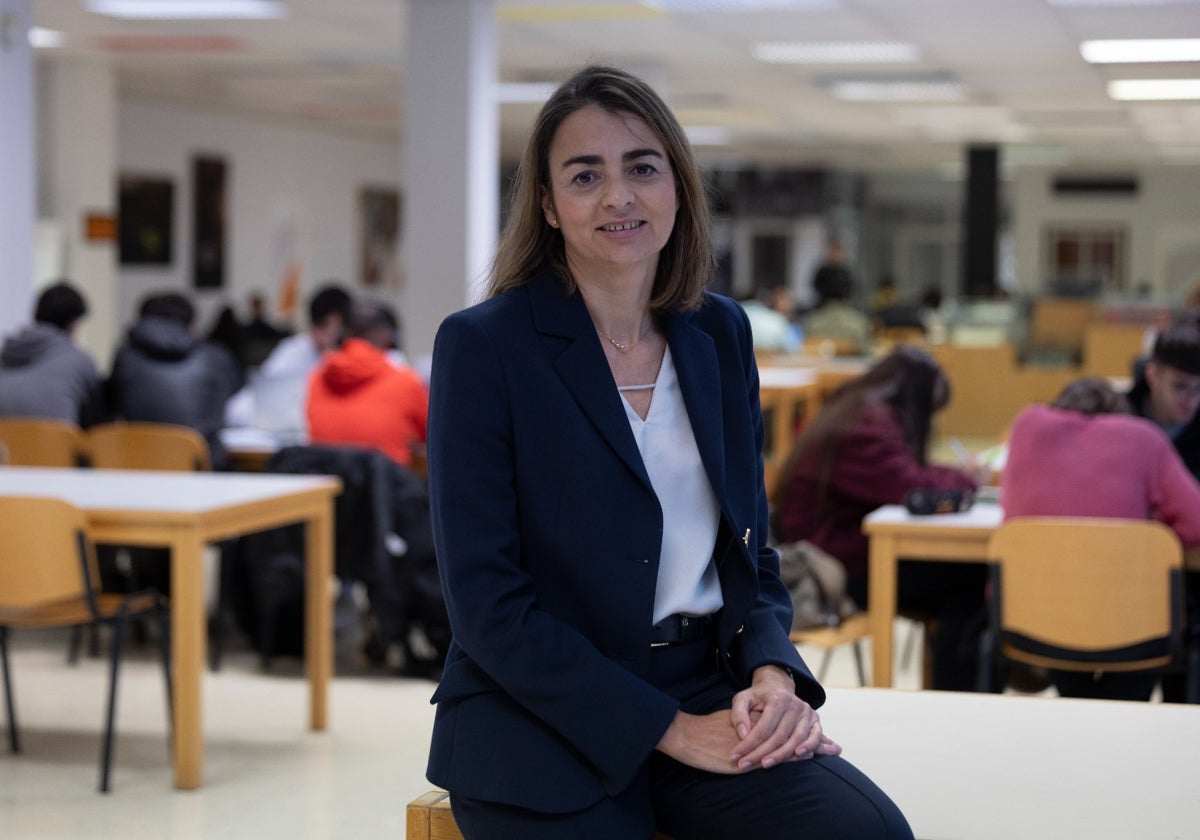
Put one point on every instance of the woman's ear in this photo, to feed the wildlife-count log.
(548, 208)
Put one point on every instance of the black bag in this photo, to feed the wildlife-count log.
(816, 581)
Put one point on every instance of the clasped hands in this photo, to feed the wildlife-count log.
(766, 726)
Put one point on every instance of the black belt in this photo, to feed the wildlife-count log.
(680, 629)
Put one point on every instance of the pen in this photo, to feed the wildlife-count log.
(960, 451)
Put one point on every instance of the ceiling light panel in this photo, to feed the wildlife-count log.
(836, 52)
(864, 91)
(188, 9)
(1154, 89)
(739, 5)
(1145, 50)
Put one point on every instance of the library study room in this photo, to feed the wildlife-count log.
(675, 419)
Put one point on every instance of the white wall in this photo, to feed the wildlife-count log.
(291, 190)
(1162, 221)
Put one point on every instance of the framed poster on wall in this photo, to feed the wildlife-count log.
(209, 196)
(145, 219)
(379, 237)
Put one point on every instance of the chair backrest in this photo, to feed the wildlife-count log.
(147, 446)
(44, 549)
(42, 442)
(1088, 593)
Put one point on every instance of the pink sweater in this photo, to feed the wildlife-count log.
(1063, 463)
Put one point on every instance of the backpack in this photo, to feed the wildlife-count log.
(816, 581)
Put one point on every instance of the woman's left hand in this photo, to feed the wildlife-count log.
(775, 725)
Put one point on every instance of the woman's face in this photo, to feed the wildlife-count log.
(611, 191)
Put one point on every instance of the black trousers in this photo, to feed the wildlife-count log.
(819, 798)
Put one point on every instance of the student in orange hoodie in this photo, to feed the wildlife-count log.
(357, 396)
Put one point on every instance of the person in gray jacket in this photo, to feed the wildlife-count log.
(43, 373)
(164, 373)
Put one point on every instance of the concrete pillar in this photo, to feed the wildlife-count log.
(79, 176)
(17, 165)
(449, 161)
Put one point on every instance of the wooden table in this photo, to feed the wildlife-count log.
(896, 535)
(182, 512)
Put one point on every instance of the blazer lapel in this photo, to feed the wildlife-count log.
(695, 356)
(583, 368)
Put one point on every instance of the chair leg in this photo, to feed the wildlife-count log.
(221, 617)
(14, 741)
(1192, 687)
(858, 663)
(106, 752)
(986, 669)
(164, 636)
(825, 657)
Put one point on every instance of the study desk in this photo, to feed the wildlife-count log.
(895, 534)
(182, 512)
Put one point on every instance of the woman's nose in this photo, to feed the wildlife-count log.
(618, 193)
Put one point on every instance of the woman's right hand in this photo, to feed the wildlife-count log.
(707, 741)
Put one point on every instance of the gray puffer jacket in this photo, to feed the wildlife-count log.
(43, 374)
(164, 374)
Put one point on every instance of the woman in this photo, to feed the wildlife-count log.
(866, 448)
(1083, 456)
(621, 660)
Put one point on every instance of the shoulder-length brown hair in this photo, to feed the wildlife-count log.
(908, 380)
(528, 244)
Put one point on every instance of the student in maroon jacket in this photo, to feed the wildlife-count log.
(866, 448)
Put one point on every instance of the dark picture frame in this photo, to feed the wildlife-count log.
(209, 196)
(145, 219)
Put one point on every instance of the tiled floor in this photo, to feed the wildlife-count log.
(266, 776)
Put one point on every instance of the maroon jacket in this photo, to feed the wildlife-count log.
(873, 467)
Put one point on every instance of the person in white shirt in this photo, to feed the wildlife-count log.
(274, 398)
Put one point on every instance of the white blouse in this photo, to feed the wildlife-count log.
(687, 576)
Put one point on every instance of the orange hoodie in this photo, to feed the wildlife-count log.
(357, 397)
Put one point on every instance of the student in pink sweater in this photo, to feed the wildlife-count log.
(1085, 456)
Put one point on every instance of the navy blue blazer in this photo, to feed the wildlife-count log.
(548, 534)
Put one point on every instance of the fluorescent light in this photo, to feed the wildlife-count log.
(708, 135)
(738, 5)
(835, 52)
(534, 93)
(1141, 50)
(865, 91)
(188, 9)
(41, 38)
(1143, 89)
(1121, 2)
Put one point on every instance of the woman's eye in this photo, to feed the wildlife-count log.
(584, 179)
(643, 169)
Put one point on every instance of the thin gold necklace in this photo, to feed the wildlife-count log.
(624, 346)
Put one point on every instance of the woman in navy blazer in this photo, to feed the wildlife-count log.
(621, 660)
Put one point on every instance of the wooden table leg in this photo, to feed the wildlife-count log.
(187, 656)
(882, 607)
(318, 613)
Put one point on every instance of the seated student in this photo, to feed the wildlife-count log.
(868, 447)
(1084, 456)
(1167, 389)
(164, 373)
(358, 396)
(43, 373)
(835, 316)
(771, 326)
(274, 399)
